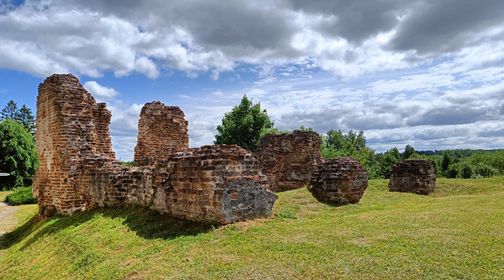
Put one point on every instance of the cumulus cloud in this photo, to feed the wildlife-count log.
(346, 38)
(423, 72)
(435, 27)
(100, 91)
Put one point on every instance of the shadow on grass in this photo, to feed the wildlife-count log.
(145, 223)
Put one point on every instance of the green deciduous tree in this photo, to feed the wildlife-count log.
(387, 160)
(244, 125)
(18, 155)
(353, 144)
(409, 152)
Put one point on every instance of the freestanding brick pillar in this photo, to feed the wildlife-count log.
(162, 131)
(289, 159)
(414, 176)
(71, 127)
(339, 181)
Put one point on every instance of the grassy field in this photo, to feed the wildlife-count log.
(455, 233)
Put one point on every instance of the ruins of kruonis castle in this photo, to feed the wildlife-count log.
(78, 170)
(217, 184)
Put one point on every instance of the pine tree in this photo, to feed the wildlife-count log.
(26, 118)
(10, 111)
(23, 116)
(445, 163)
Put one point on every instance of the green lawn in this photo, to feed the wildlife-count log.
(455, 233)
(10, 217)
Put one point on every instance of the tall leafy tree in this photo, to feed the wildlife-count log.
(244, 125)
(409, 152)
(388, 159)
(353, 144)
(18, 155)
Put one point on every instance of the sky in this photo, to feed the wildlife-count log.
(427, 73)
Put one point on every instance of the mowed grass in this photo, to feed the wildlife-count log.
(455, 233)
(20, 214)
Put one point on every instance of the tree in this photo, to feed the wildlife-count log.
(10, 111)
(18, 155)
(23, 115)
(409, 151)
(338, 144)
(388, 160)
(26, 118)
(445, 163)
(466, 171)
(244, 125)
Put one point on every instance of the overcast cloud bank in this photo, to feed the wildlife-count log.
(427, 73)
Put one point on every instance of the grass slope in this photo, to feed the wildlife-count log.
(457, 232)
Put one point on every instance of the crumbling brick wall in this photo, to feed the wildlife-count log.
(339, 181)
(219, 184)
(66, 135)
(414, 176)
(289, 159)
(162, 131)
(215, 184)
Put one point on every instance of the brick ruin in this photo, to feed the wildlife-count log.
(289, 159)
(215, 184)
(71, 127)
(339, 181)
(414, 176)
(162, 131)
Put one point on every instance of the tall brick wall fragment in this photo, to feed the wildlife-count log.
(162, 131)
(102, 118)
(67, 135)
(414, 176)
(289, 159)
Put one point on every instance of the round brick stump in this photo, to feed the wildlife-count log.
(339, 181)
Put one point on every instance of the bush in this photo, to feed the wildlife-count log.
(483, 170)
(20, 196)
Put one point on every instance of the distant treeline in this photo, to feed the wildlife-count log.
(456, 163)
